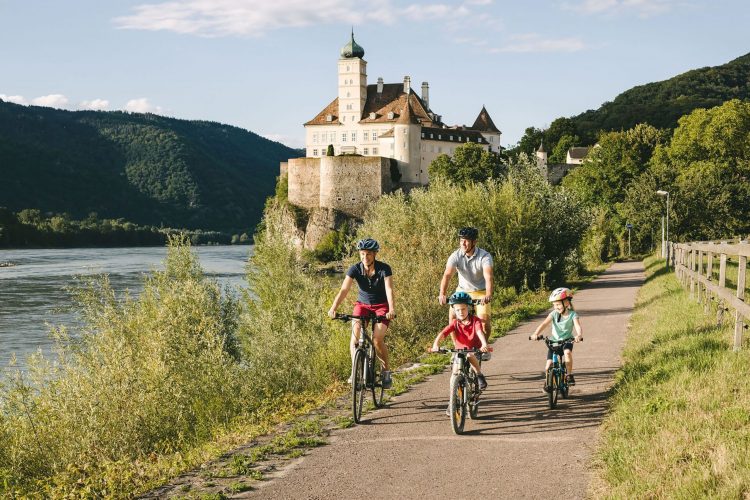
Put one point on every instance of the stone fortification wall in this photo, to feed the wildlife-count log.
(283, 168)
(304, 182)
(556, 171)
(350, 183)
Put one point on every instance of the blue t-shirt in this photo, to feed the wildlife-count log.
(371, 288)
(562, 328)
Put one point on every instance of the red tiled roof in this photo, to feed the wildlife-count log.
(321, 118)
(484, 122)
(392, 99)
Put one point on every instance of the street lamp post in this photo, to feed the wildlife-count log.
(665, 248)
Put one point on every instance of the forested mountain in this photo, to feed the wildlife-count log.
(659, 104)
(145, 168)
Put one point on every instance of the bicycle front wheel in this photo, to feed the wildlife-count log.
(552, 387)
(456, 407)
(377, 382)
(358, 384)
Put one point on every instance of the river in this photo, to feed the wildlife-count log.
(34, 290)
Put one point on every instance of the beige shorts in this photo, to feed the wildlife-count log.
(483, 311)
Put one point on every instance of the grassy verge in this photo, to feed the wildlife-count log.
(679, 425)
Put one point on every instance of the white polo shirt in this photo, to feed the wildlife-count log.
(470, 269)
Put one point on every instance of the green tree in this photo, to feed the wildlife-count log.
(710, 155)
(470, 163)
(330, 151)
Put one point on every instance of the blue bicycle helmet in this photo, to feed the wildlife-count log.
(460, 298)
(468, 233)
(368, 244)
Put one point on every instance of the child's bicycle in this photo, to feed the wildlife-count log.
(464, 388)
(366, 370)
(556, 379)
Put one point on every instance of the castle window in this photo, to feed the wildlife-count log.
(343, 137)
(354, 137)
(366, 134)
(347, 68)
(354, 199)
(423, 134)
(432, 136)
(440, 137)
(375, 136)
(315, 152)
(366, 151)
(374, 151)
(348, 94)
(315, 138)
(450, 137)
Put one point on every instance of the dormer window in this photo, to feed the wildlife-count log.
(329, 118)
(372, 115)
(391, 115)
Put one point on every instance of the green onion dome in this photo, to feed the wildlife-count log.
(352, 49)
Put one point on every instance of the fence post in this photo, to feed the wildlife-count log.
(700, 273)
(692, 268)
(739, 322)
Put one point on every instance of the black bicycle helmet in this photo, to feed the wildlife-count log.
(368, 244)
(468, 233)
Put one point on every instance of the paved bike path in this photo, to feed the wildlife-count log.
(517, 448)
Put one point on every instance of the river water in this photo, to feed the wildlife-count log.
(34, 291)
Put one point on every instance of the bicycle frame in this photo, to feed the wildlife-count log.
(364, 365)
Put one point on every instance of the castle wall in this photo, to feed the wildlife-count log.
(350, 183)
(304, 181)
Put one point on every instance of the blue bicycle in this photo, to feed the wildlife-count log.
(556, 378)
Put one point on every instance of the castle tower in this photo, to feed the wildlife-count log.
(407, 141)
(352, 83)
(541, 159)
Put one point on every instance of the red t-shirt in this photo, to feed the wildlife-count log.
(465, 336)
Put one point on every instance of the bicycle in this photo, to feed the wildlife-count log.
(366, 371)
(464, 388)
(556, 378)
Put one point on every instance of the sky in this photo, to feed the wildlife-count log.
(270, 65)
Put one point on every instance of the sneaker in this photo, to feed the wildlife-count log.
(386, 377)
(448, 411)
(571, 380)
(482, 381)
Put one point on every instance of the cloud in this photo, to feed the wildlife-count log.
(51, 101)
(17, 99)
(141, 105)
(96, 104)
(532, 42)
(213, 18)
(642, 8)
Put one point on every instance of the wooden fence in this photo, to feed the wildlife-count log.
(694, 266)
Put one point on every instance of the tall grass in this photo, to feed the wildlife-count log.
(145, 377)
(679, 426)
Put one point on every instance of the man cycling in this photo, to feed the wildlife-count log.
(375, 281)
(474, 266)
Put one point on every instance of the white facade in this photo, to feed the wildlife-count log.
(389, 120)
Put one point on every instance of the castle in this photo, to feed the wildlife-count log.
(383, 135)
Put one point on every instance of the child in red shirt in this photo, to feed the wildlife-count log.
(465, 331)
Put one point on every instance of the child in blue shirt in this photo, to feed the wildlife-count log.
(563, 320)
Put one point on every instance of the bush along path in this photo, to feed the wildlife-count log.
(404, 449)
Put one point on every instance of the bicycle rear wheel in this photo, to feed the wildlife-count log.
(358, 384)
(456, 407)
(376, 380)
(553, 388)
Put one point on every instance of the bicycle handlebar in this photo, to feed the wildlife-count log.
(348, 317)
(550, 341)
(443, 350)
